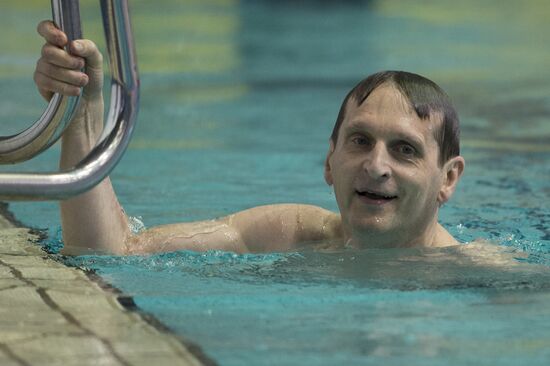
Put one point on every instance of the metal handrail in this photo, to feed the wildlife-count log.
(60, 111)
(118, 127)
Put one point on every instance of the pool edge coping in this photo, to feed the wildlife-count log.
(185, 352)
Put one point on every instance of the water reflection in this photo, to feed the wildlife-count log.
(471, 266)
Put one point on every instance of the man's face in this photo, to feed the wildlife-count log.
(385, 170)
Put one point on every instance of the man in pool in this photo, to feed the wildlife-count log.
(393, 160)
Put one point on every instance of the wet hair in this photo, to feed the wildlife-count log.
(423, 95)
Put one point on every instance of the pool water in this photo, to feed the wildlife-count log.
(238, 101)
(357, 307)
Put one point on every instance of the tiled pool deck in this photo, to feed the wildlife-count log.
(51, 314)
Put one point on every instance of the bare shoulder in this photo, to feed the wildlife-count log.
(487, 253)
(270, 228)
(283, 227)
(318, 224)
(443, 238)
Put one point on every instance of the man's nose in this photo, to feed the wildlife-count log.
(377, 163)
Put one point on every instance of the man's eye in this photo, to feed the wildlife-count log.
(406, 149)
(359, 141)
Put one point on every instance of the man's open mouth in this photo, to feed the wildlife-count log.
(376, 196)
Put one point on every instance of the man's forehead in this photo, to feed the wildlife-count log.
(385, 96)
(388, 103)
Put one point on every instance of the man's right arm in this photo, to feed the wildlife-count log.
(93, 219)
(96, 221)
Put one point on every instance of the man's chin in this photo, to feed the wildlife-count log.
(372, 226)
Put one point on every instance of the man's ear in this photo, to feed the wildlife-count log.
(328, 171)
(452, 171)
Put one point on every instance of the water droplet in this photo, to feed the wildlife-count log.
(136, 224)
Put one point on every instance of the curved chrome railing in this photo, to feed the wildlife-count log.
(49, 127)
(118, 127)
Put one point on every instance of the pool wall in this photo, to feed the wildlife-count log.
(51, 314)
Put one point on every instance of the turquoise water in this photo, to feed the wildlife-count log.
(238, 101)
(354, 308)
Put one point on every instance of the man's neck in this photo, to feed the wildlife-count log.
(434, 235)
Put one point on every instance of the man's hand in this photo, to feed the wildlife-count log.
(93, 219)
(58, 71)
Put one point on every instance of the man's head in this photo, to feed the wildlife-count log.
(425, 97)
(394, 158)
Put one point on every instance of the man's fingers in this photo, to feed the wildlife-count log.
(51, 33)
(87, 49)
(73, 77)
(58, 56)
(48, 85)
(65, 71)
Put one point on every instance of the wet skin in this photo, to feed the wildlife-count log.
(384, 169)
(386, 174)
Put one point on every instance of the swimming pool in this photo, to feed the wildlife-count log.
(238, 101)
